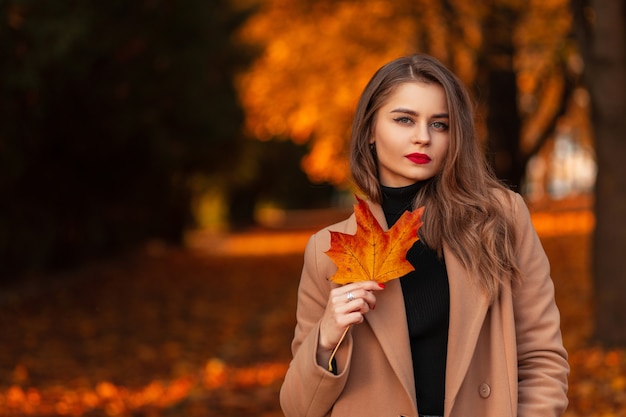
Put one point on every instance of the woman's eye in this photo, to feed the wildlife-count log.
(404, 120)
(439, 125)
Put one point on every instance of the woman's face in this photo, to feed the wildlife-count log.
(411, 134)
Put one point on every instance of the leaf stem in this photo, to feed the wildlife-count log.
(332, 355)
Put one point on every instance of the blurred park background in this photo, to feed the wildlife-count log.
(162, 164)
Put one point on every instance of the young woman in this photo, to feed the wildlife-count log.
(474, 331)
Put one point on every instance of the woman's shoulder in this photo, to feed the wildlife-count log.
(514, 208)
(508, 198)
(319, 244)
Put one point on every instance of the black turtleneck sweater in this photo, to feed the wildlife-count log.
(427, 302)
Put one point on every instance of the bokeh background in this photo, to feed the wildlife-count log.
(162, 164)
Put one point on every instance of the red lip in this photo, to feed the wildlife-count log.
(418, 158)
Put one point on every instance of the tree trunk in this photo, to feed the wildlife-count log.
(600, 24)
(503, 118)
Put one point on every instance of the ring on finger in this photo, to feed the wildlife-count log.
(350, 296)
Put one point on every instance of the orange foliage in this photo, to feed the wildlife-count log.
(305, 83)
(120, 401)
(597, 383)
(231, 317)
(372, 253)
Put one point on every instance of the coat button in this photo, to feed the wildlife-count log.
(484, 390)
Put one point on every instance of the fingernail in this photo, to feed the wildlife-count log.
(381, 285)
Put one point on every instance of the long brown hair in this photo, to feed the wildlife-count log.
(461, 206)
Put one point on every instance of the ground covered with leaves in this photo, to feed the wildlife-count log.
(205, 331)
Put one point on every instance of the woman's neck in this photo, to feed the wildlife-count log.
(397, 200)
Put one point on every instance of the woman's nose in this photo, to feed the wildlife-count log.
(421, 135)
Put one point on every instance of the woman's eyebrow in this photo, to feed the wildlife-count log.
(414, 113)
(403, 110)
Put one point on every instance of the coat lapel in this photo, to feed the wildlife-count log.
(388, 322)
(468, 308)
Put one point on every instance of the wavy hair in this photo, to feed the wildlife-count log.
(461, 202)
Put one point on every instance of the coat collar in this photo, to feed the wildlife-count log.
(468, 307)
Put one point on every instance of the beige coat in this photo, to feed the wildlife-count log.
(504, 360)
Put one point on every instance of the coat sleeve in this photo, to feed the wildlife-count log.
(309, 389)
(542, 360)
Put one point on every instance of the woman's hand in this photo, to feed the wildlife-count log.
(346, 306)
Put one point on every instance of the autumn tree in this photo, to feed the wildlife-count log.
(305, 84)
(514, 56)
(601, 29)
(320, 58)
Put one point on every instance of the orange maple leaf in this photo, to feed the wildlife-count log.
(372, 253)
